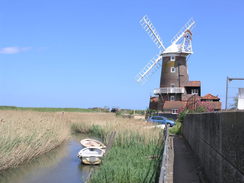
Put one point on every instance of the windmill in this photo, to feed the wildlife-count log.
(172, 60)
(180, 44)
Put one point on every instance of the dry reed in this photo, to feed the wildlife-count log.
(81, 122)
(27, 134)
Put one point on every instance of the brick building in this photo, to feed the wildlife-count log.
(176, 91)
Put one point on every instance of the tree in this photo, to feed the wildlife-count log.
(234, 105)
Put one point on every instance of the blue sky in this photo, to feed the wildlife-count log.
(80, 53)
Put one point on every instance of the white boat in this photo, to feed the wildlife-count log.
(92, 143)
(91, 155)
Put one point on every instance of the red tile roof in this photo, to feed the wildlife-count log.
(193, 83)
(210, 97)
(174, 104)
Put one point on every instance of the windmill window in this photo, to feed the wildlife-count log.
(172, 69)
(172, 98)
(172, 58)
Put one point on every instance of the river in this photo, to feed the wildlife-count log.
(61, 165)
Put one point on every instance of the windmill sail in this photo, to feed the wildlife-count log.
(149, 69)
(150, 29)
(181, 33)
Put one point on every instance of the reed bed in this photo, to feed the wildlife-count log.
(134, 156)
(108, 122)
(136, 152)
(27, 134)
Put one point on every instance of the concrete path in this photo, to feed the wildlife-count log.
(182, 164)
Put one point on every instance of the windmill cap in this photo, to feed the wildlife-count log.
(175, 48)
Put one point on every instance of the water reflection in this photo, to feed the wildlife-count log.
(60, 165)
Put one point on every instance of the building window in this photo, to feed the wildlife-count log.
(174, 111)
(172, 85)
(172, 69)
(172, 98)
(172, 58)
(194, 91)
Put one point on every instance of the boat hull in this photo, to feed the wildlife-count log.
(91, 160)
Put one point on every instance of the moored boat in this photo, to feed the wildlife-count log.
(91, 155)
(92, 143)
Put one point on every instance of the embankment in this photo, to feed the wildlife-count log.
(218, 141)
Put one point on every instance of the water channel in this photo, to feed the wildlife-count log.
(61, 165)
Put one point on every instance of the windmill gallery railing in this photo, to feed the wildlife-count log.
(169, 90)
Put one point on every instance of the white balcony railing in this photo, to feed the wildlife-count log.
(169, 90)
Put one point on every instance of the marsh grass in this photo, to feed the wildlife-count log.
(176, 129)
(49, 109)
(131, 164)
(135, 153)
(93, 130)
(129, 161)
(134, 156)
(26, 135)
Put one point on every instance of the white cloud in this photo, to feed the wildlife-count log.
(13, 50)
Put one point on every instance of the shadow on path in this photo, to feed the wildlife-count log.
(185, 166)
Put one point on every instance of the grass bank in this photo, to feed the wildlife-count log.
(135, 154)
(27, 134)
(176, 129)
(129, 160)
(48, 109)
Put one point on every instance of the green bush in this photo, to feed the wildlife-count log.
(182, 116)
(176, 129)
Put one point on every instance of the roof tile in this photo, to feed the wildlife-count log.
(174, 104)
(193, 83)
(210, 97)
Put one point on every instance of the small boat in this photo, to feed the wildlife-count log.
(91, 155)
(92, 143)
(91, 161)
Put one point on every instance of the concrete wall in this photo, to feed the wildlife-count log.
(218, 141)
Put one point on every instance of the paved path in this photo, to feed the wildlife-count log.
(182, 165)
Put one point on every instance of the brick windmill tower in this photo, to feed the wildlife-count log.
(175, 87)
